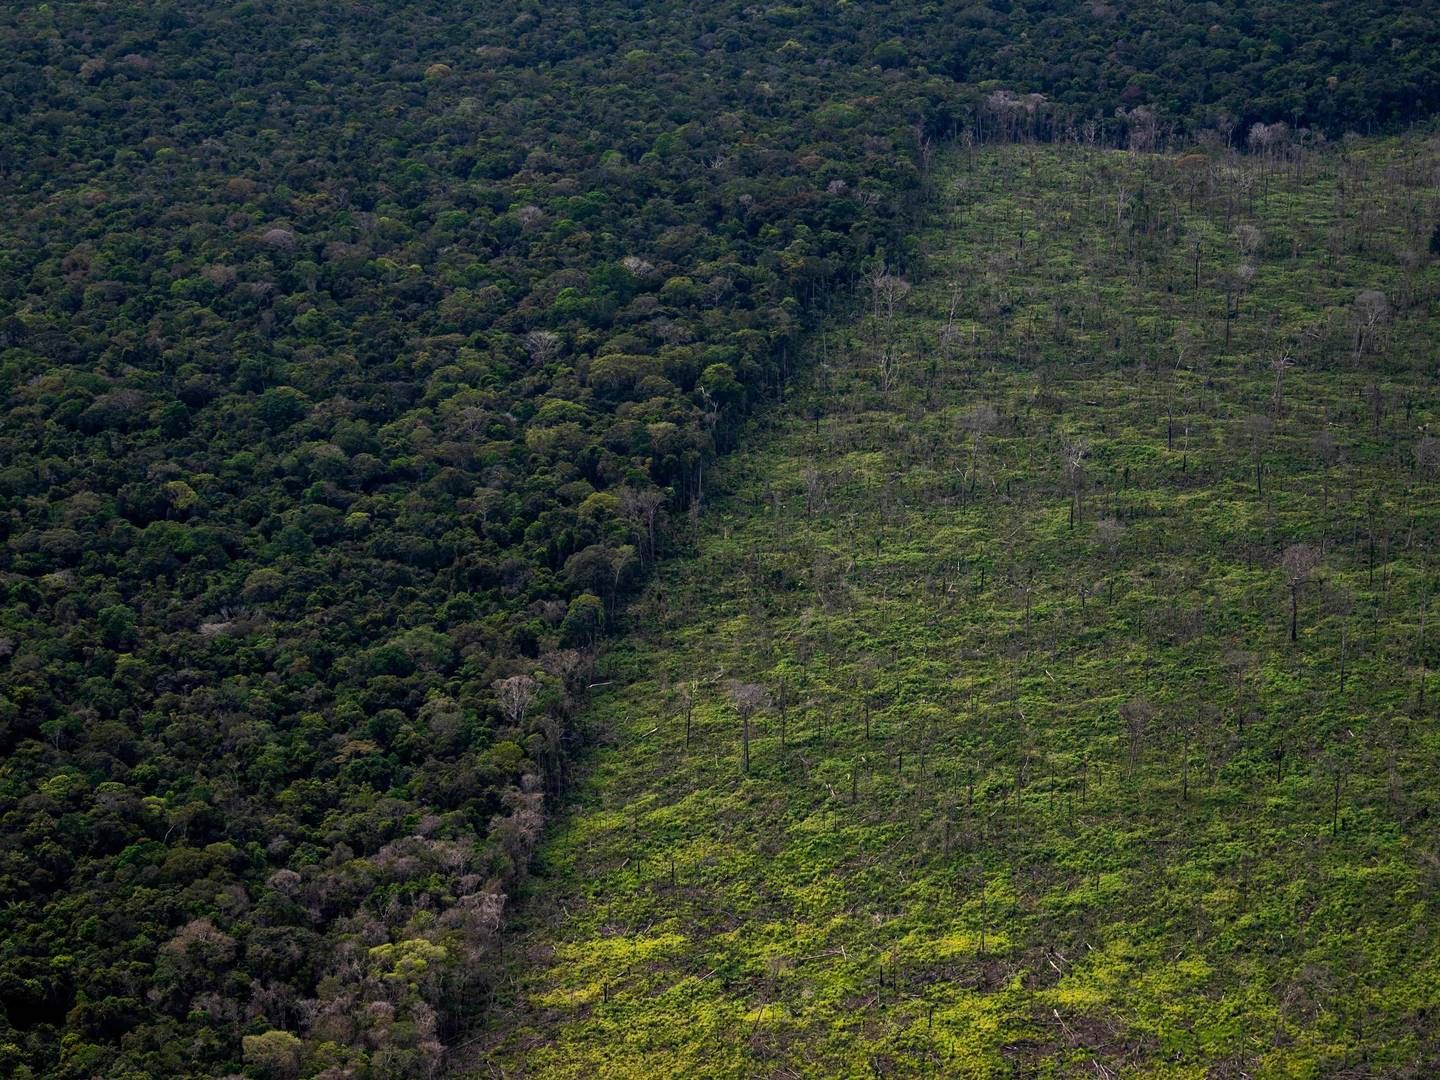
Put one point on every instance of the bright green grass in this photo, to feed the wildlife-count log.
(1018, 886)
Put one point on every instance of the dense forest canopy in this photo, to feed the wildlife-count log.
(359, 359)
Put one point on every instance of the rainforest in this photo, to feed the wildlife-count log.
(611, 539)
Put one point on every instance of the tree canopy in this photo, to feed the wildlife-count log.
(357, 360)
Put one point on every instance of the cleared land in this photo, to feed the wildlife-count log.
(1079, 613)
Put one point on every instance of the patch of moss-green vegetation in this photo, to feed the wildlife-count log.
(1047, 695)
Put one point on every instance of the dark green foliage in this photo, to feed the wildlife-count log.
(1331, 67)
(351, 360)
(357, 359)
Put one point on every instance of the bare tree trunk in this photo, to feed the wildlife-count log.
(1344, 641)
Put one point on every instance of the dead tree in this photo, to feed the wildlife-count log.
(514, 696)
(1299, 562)
(749, 698)
(1372, 310)
(1137, 715)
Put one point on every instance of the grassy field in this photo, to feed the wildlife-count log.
(972, 740)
